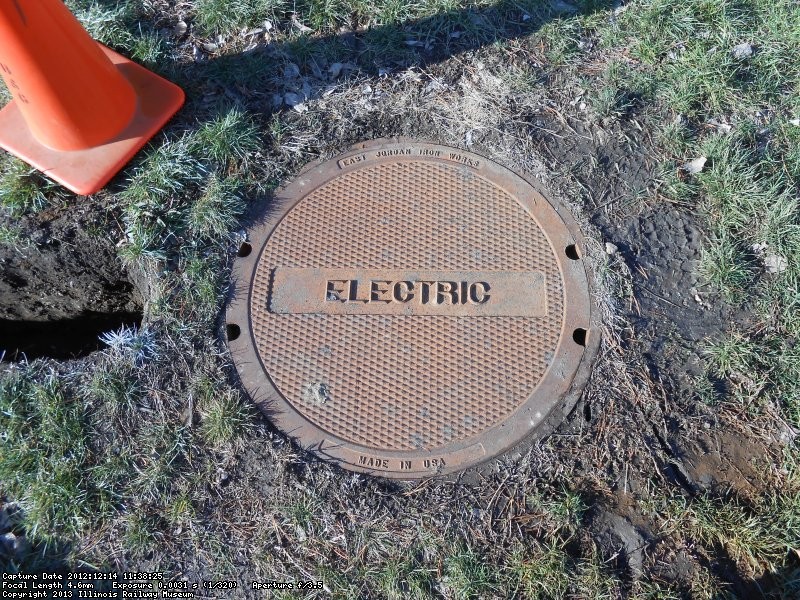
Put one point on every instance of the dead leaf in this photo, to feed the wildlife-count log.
(299, 25)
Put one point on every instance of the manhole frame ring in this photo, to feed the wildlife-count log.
(516, 435)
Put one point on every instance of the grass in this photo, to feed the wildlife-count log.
(217, 16)
(45, 455)
(11, 235)
(467, 575)
(230, 138)
(126, 452)
(23, 190)
(541, 571)
(224, 418)
(405, 578)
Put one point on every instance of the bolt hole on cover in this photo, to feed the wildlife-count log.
(412, 310)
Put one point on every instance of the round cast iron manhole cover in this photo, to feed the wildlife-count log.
(409, 309)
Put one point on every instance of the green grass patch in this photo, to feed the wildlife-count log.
(228, 138)
(540, 571)
(222, 16)
(757, 538)
(11, 235)
(23, 190)
(217, 209)
(224, 417)
(45, 460)
(405, 578)
(467, 574)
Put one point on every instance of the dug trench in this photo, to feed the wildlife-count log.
(62, 287)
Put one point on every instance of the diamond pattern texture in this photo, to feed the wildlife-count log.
(407, 382)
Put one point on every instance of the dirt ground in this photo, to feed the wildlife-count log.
(640, 443)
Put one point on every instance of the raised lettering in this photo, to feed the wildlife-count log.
(403, 295)
(373, 462)
(445, 289)
(353, 295)
(375, 292)
(483, 297)
(346, 162)
(334, 291)
(408, 292)
(425, 291)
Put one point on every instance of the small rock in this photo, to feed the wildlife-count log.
(366, 90)
(775, 263)
(267, 25)
(723, 127)
(759, 249)
(222, 477)
(300, 108)
(292, 99)
(742, 51)
(695, 166)
(795, 122)
(525, 17)
(180, 29)
(611, 249)
(291, 71)
(302, 536)
(335, 69)
(210, 48)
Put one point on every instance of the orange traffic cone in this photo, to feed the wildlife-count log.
(80, 111)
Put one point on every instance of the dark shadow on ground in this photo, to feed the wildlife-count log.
(60, 339)
(20, 554)
(252, 78)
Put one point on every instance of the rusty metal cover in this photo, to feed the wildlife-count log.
(409, 309)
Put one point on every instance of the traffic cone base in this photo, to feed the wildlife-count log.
(87, 171)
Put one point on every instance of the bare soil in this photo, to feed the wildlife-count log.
(63, 286)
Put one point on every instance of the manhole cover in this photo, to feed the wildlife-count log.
(410, 309)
